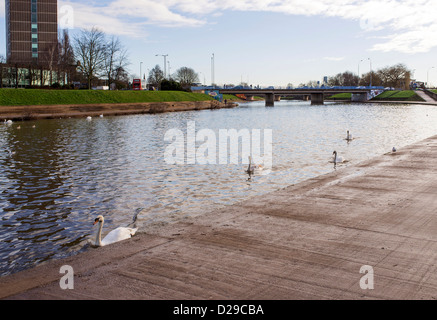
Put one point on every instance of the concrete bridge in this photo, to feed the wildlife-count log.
(317, 94)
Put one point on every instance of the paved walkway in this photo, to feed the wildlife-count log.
(425, 97)
(307, 241)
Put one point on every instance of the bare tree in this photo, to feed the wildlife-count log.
(90, 48)
(371, 77)
(34, 75)
(156, 75)
(50, 59)
(18, 74)
(116, 60)
(66, 56)
(344, 79)
(121, 78)
(186, 76)
(397, 76)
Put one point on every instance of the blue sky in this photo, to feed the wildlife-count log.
(264, 42)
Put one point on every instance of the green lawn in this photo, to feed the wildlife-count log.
(16, 97)
(230, 97)
(396, 95)
(341, 96)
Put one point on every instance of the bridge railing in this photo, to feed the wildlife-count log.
(199, 88)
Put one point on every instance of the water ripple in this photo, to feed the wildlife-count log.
(55, 178)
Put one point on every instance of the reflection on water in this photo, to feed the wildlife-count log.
(57, 176)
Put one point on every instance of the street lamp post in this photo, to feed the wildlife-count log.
(212, 70)
(370, 71)
(427, 77)
(359, 67)
(165, 63)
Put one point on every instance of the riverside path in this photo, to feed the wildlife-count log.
(306, 241)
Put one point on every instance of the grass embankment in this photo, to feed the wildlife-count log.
(231, 97)
(397, 95)
(23, 97)
(341, 96)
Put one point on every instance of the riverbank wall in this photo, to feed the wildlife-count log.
(367, 231)
(83, 110)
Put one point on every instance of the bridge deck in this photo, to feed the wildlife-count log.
(290, 91)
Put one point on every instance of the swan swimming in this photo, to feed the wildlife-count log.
(88, 118)
(252, 168)
(121, 233)
(337, 159)
(8, 122)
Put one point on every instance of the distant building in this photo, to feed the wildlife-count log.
(31, 30)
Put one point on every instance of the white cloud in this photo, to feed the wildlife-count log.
(85, 17)
(2, 8)
(152, 12)
(127, 18)
(408, 26)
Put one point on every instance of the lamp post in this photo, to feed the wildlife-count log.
(370, 71)
(359, 67)
(165, 63)
(427, 77)
(147, 79)
(212, 70)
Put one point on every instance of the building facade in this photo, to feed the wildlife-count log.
(31, 31)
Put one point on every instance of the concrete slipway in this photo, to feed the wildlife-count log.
(306, 241)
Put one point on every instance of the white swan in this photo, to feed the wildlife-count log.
(252, 168)
(101, 116)
(88, 118)
(337, 159)
(121, 233)
(349, 136)
(8, 122)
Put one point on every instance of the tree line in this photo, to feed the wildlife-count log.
(396, 76)
(91, 58)
(86, 59)
(182, 79)
(55, 65)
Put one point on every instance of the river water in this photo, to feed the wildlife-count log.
(56, 176)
